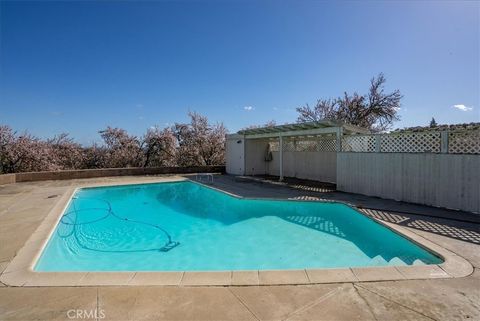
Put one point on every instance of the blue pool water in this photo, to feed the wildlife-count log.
(184, 226)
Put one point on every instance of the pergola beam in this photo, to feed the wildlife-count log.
(316, 127)
(305, 132)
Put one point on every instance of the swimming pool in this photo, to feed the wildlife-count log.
(185, 226)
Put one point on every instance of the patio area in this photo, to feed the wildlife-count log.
(23, 206)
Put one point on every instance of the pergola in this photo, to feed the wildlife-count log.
(308, 129)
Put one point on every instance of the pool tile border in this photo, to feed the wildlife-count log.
(19, 272)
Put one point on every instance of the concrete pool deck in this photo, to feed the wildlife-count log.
(24, 206)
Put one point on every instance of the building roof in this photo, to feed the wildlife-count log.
(298, 129)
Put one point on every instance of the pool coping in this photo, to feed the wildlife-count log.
(20, 271)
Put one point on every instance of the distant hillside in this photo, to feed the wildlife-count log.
(451, 127)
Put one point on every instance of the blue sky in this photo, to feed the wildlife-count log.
(79, 66)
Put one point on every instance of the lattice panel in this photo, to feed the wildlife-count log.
(288, 146)
(420, 142)
(319, 144)
(306, 146)
(327, 145)
(316, 144)
(464, 142)
(358, 143)
(460, 142)
(274, 146)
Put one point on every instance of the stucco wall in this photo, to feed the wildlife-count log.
(320, 166)
(7, 179)
(255, 150)
(235, 155)
(443, 180)
(91, 173)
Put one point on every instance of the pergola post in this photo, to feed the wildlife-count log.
(280, 150)
(339, 135)
(444, 141)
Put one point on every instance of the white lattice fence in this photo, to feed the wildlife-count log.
(421, 142)
(358, 143)
(288, 146)
(274, 146)
(328, 144)
(458, 142)
(324, 143)
(464, 142)
(306, 146)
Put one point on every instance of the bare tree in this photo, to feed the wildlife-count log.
(213, 151)
(95, 156)
(65, 153)
(323, 109)
(159, 147)
(200, 143)
(122, 150)
(376, 110)
(23, 153)
(191, 144)
(7, 138)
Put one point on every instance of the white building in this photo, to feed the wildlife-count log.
(439, 167)
(303, 150)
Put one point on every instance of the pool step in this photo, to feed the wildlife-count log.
(379, 260)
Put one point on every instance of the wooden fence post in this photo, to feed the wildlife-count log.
(444, 142)
(378, 143)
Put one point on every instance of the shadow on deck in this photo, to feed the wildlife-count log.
(458, 225)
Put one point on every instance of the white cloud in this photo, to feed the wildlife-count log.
(462, 107)
(248, 108)
(275, 108)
